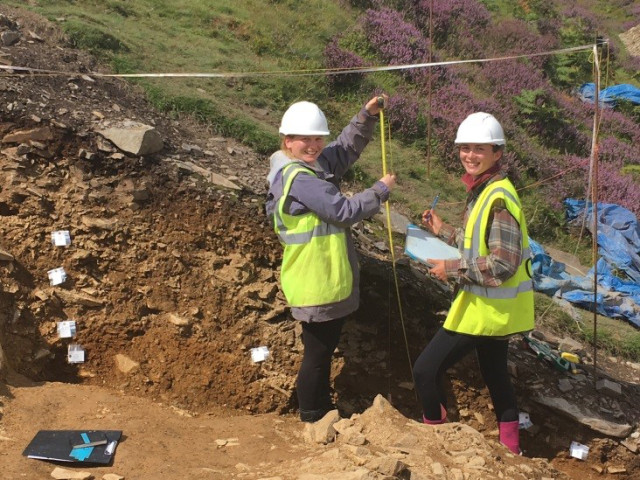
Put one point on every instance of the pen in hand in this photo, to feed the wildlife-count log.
(427, 217)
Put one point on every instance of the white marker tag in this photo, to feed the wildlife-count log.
(75, 354)
(61, 238)
(67, 329)
(57, 276)
(524, 421)
(259, 354)
(577, 450)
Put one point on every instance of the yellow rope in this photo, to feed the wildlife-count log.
(393, 254)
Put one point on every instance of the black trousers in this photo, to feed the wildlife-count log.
(320, 339)
(443, 351)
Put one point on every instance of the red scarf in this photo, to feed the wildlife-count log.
(472, 182)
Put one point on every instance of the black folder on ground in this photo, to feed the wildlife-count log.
(83, 446)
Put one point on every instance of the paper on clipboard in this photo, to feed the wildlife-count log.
(420, 245)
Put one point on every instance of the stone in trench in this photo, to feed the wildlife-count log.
(586, 417)
(9, 38)
(616, 469)
(41, 134)
(64, 474)
(178, 320)
(609, 387)
(6, 256)
(99, 223)
(74, 298)
(322, 431)
(135, 139)
(125, 364)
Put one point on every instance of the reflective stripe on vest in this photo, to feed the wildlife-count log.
(494, 311)
(474, 251)
(315, 264)
(498, 292)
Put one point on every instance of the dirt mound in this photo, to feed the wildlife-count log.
(172, 279)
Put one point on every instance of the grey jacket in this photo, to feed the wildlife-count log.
(322, 196)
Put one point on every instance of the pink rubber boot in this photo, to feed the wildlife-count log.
(443, 417)
(510, 435)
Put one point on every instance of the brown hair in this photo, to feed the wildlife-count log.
(284, 148)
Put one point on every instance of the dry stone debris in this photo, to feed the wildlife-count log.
(135, 139)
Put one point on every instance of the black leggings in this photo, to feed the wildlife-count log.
(445, 349)
(320, 339)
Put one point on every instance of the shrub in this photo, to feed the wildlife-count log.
(613, 185)
(615, 151)
(92, 38)
(632, 65)
(509, 78)
(514, 37)
(549, 26)
(616, 187)
(622, 126)
(453, 20)
(579, 28)
(532, 159)
(396, 41)
(540, 115)
(404, 116)
(336, 57)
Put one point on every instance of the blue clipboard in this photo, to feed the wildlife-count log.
(420, 245)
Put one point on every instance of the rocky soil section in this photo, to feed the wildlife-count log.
(172, 280)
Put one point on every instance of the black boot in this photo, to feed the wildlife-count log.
(311, 416)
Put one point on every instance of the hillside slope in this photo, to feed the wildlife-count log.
(172, 279)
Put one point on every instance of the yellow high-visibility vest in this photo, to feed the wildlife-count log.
(494, 311)
(315, 264)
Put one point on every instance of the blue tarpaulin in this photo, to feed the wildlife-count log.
(618, 267)
(610, 95)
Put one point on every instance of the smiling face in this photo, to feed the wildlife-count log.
(303, 147)
(477, 158)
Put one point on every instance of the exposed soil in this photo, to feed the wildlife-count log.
(173, 279)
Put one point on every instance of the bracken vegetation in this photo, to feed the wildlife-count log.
(548, 128)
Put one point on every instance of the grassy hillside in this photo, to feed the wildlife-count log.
(204, 36)
(548, 127)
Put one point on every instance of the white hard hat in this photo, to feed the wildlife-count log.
(480, 127)
(304, 118)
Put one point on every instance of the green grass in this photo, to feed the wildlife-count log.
(633, 170)
(615, 337)
(204, 36)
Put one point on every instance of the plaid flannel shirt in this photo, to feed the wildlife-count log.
(504, 239)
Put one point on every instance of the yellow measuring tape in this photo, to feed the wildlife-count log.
(393, 254)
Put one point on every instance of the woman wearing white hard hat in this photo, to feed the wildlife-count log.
(494, 298)
(319, 274)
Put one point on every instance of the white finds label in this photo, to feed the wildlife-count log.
(259, 354)
(67, 329)
(75, 354)
(524, 422)
(61, 238)
(577, 450)
(57, 276)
